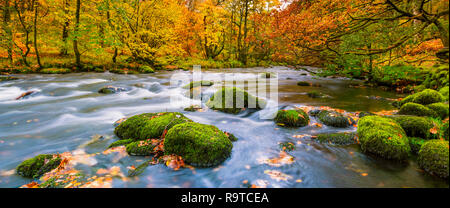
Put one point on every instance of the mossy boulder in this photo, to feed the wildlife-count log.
(425, 97)
(345, 138)
(303, 83)
(441, 109)
(146, 69)
(445, 92)
(292, 118)
(416, 109)
(141, 148)
(433, 158)
(234, 100)
(120, 143)
(111, 90)
(415, 126)
(198, 84)
(148, 125)
(383, 137)
(198, 144)
(39, 165)
(415, 143)
(335, 119)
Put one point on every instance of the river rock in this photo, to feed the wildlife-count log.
(335, 119)
(39, 165)
(198, 144)
(111, 90)
(345, 138)
(244, 101)
(292, 118)
(433, 158)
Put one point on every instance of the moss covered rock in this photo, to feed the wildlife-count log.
(440, 109)
(303, 83)
(292, 118)
(198, 144)
(141, 148)
(120, 143)
(425, 97)
(416, 110)
(146, 69)
(148, 125)
(345, 138)
(415, 126)
(445, 92)
(39, 165)
(383, 137)
(198, 84)
(433, 158)
(415, 144)
(234, 100)
(315, 94)
(111, 90)
(335, 119)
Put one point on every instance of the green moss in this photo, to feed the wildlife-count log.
(163, 121)
(383, 137)
(314, 94)
(131, 128)
(433, 158)
(140, 148)
(198, 84)
(440, 109)
(445, 91)
(425, 97)
(146, 69)
(415, 144)
(192, 108)
(445, 131)
(415, 126)
(231, 136)
(416, 110)
(335, 119)
(292, 118)
(55, 71)
(149, 125)
(226, 100)
(120, 143)
(303, 83)
(111, 90)
(37, 166)
(198, 144)
(345, 138)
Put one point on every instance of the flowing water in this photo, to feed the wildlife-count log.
(66, 112)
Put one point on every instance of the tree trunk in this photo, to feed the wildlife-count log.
(38, 58)
(65, 31)
(76, 31)
(7, 29)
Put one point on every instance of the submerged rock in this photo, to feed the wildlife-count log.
(198, 144)
(198, 84)
(345, 138)
(234, 100)
(383, 137)
(292, 118)
(303, 83)
(141, 148)
(39, 165)
(433, 158)
(111, 90)
(149, 125)
(335, 119)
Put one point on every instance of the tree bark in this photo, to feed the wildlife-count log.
(65, 30)
(7, 29)
(76, 31)
(38, 58)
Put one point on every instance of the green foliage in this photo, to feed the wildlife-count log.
(345, 138)
(383, 137)
(433, 158)
(55, 71)
(335, 119)
(397, 75)
(292, 118)
(437, 77)
(146, 69)
(416, 144)
(230, 100)
(416, 110)
(415, 126)
(39, 165)
(198, 144)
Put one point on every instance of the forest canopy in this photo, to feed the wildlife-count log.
(338, 35)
